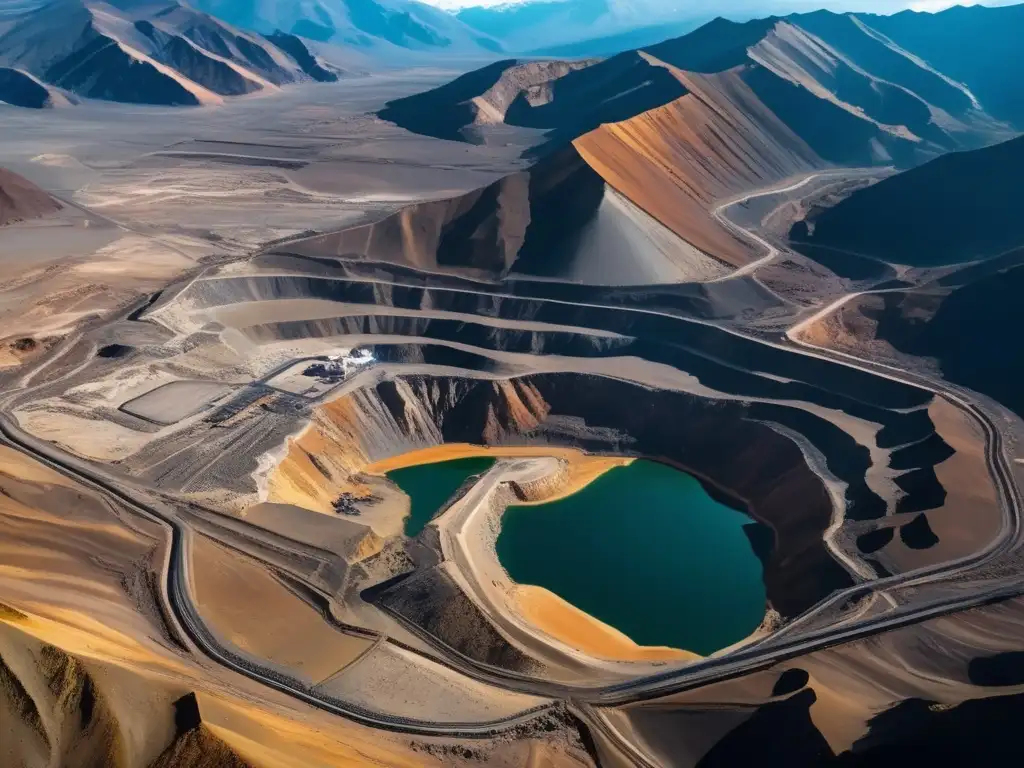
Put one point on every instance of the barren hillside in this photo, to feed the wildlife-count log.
(21, 200)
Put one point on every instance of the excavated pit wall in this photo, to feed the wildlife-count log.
(740, 460)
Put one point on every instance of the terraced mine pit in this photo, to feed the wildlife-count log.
(631, 424)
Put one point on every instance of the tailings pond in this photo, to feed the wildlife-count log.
(429, 486)
(646, 550)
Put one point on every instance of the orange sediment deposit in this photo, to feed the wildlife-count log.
(581, 468)
(327, 458)
(320, 462)
(253, 611)
(579, 630)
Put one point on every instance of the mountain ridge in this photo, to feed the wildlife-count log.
(364, 24)
(680, 126)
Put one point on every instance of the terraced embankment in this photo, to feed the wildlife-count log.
(871, 437)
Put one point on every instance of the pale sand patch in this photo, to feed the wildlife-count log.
(90, 438)
(348, 538)
(250, 609)
(398, 682)
(8, 359)
(565, 622)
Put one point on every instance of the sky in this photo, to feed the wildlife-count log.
(722, 7)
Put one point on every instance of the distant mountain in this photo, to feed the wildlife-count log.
(677, 126)
(21, 200)
(404, 24)
(20, 89)
(979, 47)
(814, 72)
(609, 45)
(158, 52)
(580, 27)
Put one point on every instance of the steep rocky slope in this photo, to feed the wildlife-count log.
(991, 71)
(660, 159)
(959, 208)
(20, 199)
(482, 97)
(960, 213)
(51, 707)
(154, 53)
(558, 219)
(682, 126)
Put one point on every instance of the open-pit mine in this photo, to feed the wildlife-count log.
(638, 410)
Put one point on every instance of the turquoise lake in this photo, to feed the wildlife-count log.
(429, 486)
(646, 550)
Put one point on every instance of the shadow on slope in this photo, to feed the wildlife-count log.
(958, 208)
(977, 46)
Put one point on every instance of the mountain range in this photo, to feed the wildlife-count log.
(901, 105)
(678, 126)
(370, 24)
(604, 27)
(541, 25)
(149, 53)
(176, 53)
(932, 79)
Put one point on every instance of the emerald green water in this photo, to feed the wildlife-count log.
(429, 486)
(644, 549)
